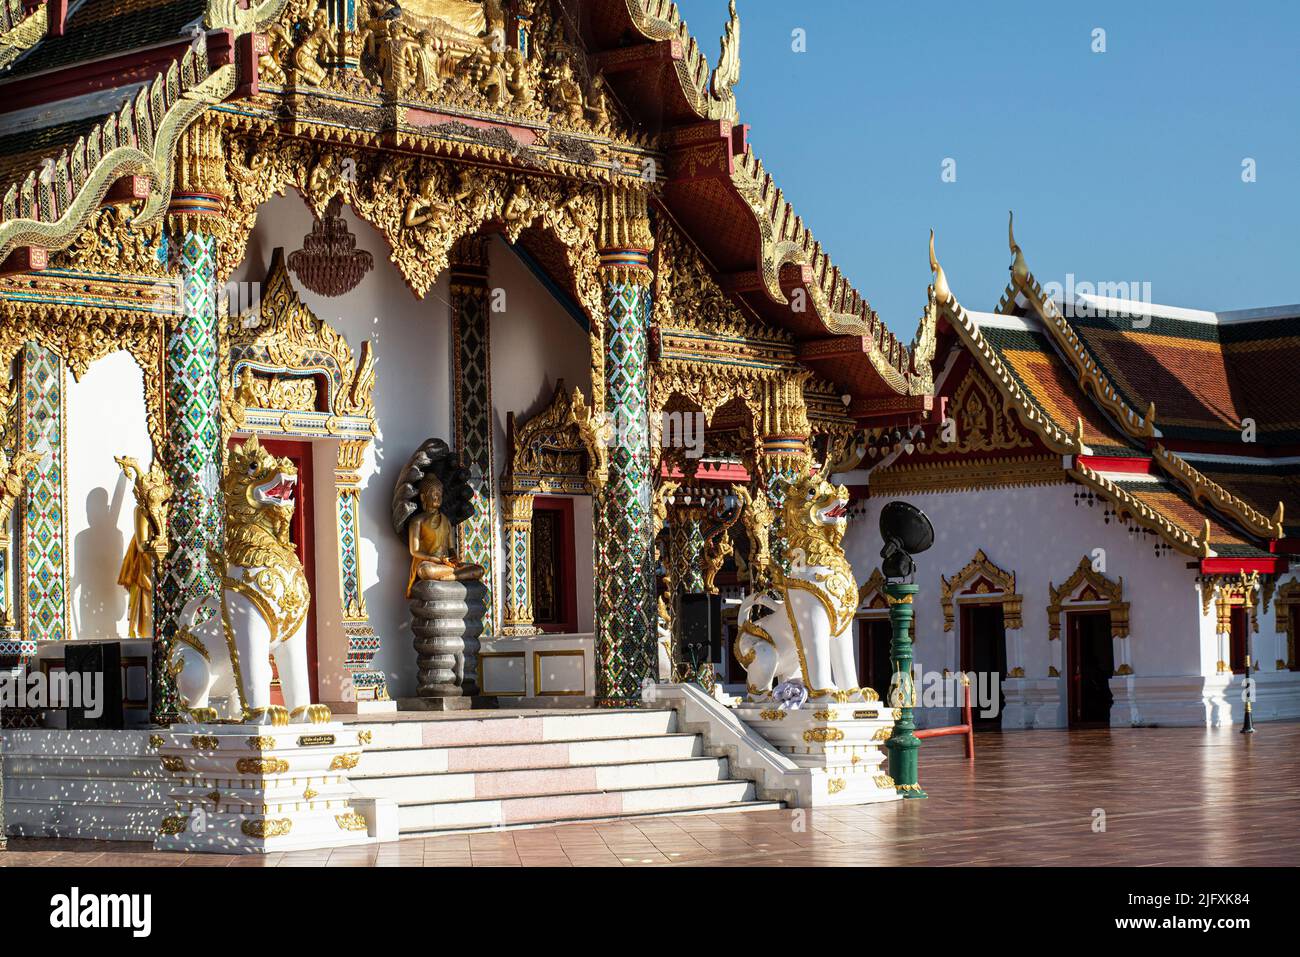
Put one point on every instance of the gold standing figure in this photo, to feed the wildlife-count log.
(153, 494)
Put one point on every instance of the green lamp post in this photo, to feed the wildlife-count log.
(903, 744)
(905, 531)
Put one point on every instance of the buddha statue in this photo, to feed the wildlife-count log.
(431, 540)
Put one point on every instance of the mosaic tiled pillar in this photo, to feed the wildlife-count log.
(44, 535)
(195, 523)
(517, 595)
(686, 550)
(783, 454)
(625, 638)
(363, 643)
(781, 463)
(471, 355)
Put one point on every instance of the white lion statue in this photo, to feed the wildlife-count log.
(807, 639)
(224, 642)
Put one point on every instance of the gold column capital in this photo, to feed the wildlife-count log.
(201, 188)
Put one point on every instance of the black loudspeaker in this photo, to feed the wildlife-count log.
(701, 627)
(98, 701)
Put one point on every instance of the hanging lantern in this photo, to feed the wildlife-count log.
(329, 263)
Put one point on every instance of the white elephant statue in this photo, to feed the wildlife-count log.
(224, 643)
(808, 638)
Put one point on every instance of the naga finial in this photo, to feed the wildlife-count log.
(1019, 268)
(942, 293)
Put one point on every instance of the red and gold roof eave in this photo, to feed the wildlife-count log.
(719, 192)
(133, 147)
(1098, 472)
(1140, 429)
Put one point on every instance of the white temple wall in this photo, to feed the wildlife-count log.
(534, 342)
(1040, 534)
(105, 417)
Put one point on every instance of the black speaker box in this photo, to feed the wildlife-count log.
(701, 627)
(89, 660)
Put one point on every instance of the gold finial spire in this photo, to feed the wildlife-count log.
(942, 293)
(1078, 432)
(727, 73)
(1019, 268)
(1204, 539)
(1278, 516)
(1149, 421)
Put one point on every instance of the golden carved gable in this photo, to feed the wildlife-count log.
(284, 358)
(981, 577)
(1087, 586)
(549, 452)
(979, 420)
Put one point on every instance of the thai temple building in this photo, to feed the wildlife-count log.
(535, 354)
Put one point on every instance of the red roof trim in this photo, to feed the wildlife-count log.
(1118, 464)
(1234, 566)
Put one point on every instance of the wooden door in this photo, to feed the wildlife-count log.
(984, 651)
(1090, 662)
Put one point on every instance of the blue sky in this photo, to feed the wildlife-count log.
(1121, 166)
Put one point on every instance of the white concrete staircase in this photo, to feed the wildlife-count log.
(508, 768)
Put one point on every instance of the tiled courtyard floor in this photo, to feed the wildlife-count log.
(1170, 796)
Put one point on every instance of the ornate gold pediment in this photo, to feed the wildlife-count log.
(283, 359)
(981, 577)
(516, 58)
(983, 422)
(549, 452)
(1087, 586)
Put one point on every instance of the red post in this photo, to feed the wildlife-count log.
(970, 724)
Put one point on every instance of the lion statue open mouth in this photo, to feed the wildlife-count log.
(225, 641)
(808, 637)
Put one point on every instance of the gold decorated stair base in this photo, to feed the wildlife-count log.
(843, 745)
(240, 789)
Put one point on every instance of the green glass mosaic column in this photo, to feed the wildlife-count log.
(686, 550)
(194, 459)
(783, 461)
(471, 354)
(44, 535)
(903, 744)
(625, 638)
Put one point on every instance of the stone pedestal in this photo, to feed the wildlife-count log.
(447, 621)
(842, 744)
(254, 789)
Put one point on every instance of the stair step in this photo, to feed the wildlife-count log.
(570, 807)
(496, 757)
(540, 782)
(754, 805)
(478, 728)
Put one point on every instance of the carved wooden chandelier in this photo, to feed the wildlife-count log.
(329, 262)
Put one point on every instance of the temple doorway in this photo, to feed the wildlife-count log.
(984, 651)
(555, 593)
(302, 534)
(874, 667)
(1238, 624)
(1090, 663)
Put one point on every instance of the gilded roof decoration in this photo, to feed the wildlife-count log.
(285, 358)
(20, 29)
(549, 452)
(48, 207)
(1092, 378)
